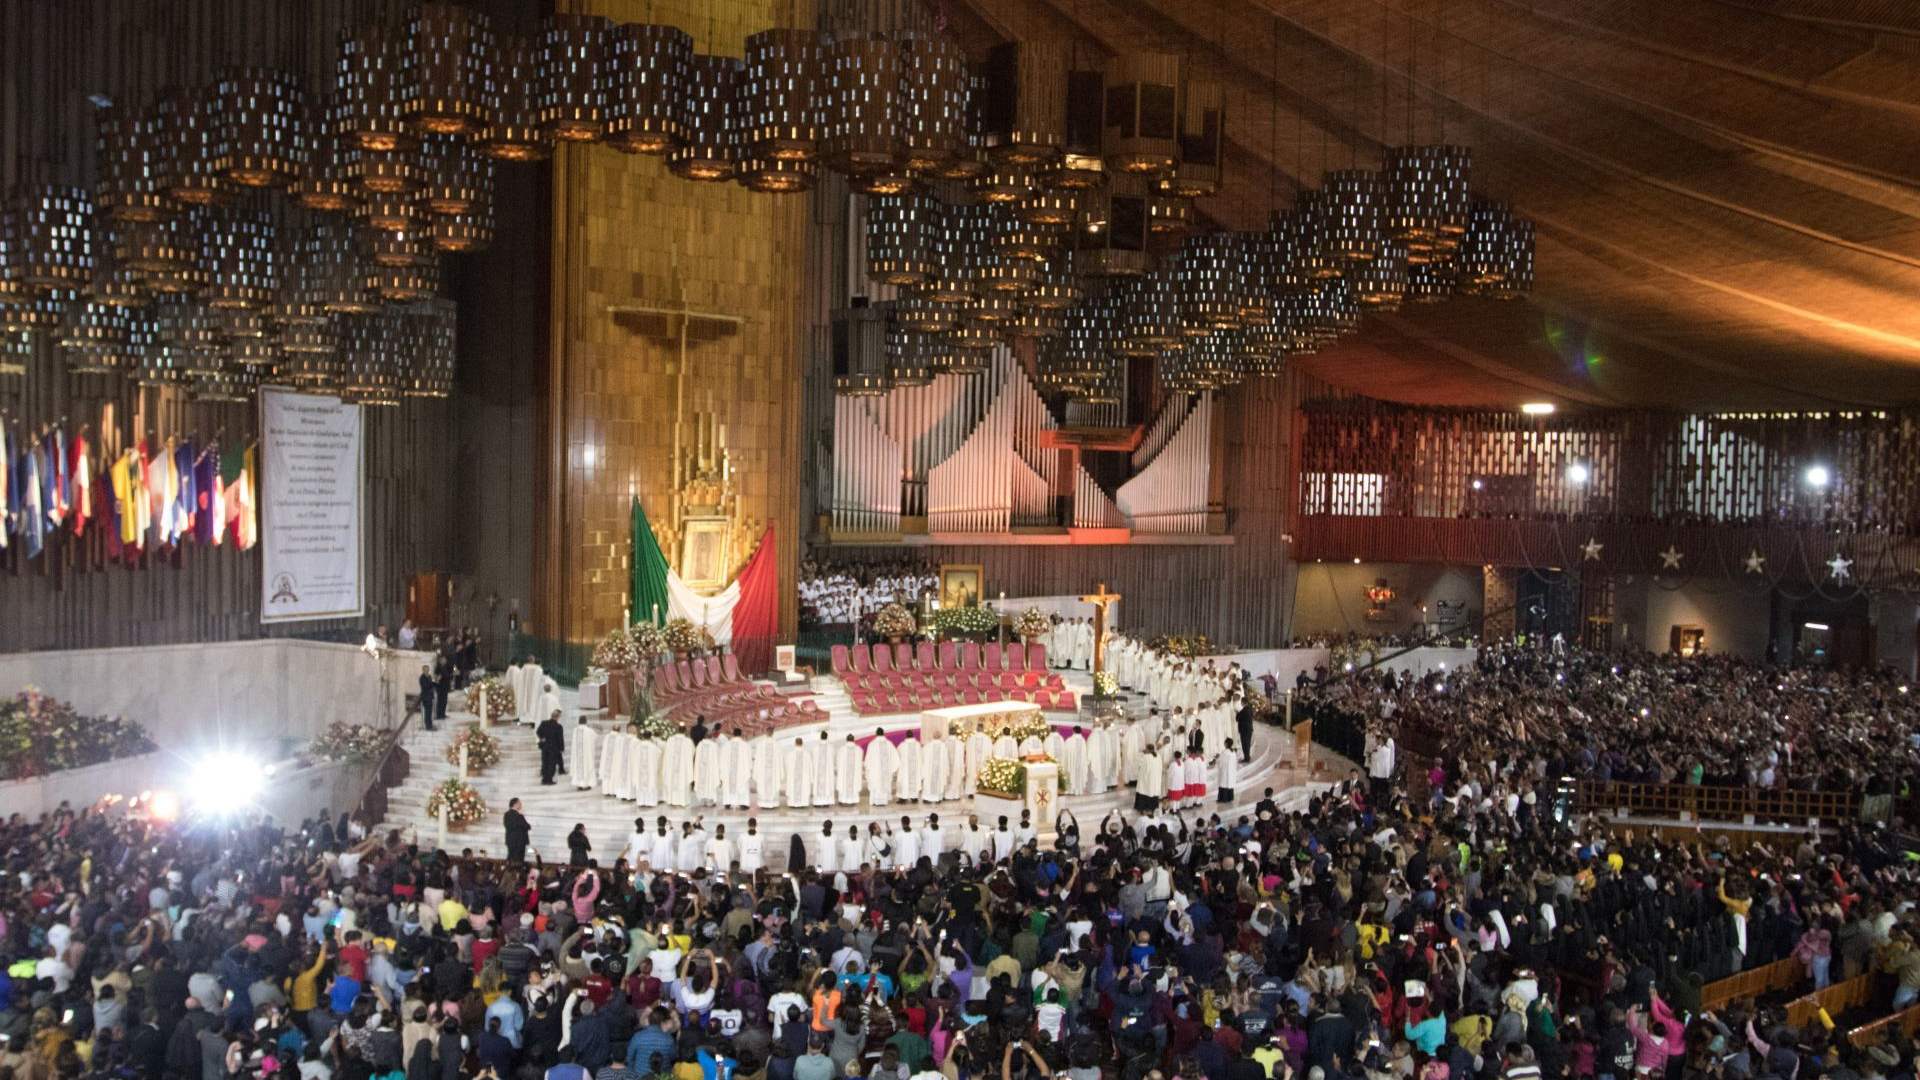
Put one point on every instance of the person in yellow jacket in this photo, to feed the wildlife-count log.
(306, 985)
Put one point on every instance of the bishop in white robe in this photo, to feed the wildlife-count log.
(643, 756)
(584, 759)
(882, 763)
(846, 771)
(736, 773)
(676, 770)
(797, 764)
(823, 780)
(706, 772)
(933, 772)
(907, 778)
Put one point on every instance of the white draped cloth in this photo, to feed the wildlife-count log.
(883, 761)
(676, 771)
(584, 741)
(643, 763)
(846, 768)
(714, 613)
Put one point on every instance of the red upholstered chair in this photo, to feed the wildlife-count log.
(882, 657)
(1016, 656)
(994, 694)
(923, 656)
(991, 657)
(949, 655)
(685, 673)
(1066, 701)
(841, 663)
(925, 698)
(862, 701)
(970, 696)
(715, 673)
(1043, 698)
(902, 656)
(969, 655)
(1032, 679)
(1037, 656)
(1008, 681)
(731, 666)
(662, 689)
(860, 661)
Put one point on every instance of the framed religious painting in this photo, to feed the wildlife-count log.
(703, 552)
(960, 584)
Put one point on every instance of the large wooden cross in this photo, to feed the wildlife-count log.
(1100, 600)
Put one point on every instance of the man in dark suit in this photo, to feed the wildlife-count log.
(1244, 718)
(443, 683)
(698, 731)
(518, 830)
(427, 686)
(552, 744)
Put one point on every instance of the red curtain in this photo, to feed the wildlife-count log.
(756, 618)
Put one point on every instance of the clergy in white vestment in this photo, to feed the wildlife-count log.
(933, 840)
(906, 843)
(1073, 762)
(719, 851)
(753, 847)
(1053, 745)
(846, 771)
(1032, 744)
(706, 772)
(1151, 780)
(1129, 744)
(613, 765)
(1083, 644)
(547, 701)
(661, 843)
(512, 678)
(1006, 747)
(1100, 759)
(526, 693)
(933, 771)
(676, 771)
(636, 848)
(956, 767)
(907, 777)
(826, 851)
(882, 764)
(822, 753)
(797, 764)
(975, 841)
(643, 769)
(768, 779)
(979, 749)
(584, 740)
(853, 850)
(736, 772)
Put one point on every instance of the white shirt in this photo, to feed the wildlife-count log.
(933, 842)
(753, 851)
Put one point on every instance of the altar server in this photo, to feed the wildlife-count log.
(826, 856)
(719, 851)
(753, 848)
(660, 845)
(906, 845)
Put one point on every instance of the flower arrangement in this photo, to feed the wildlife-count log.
(616, 651)
(1258, 702)
(1004, 777)
(491, 699)
(1186, 645)
(40, 735)
(970, 621)
(655, 726)
(681, 635)
(349, 743)
(464, 804)
(1104, 684)
(648, 641)
(1032, 623)
(1024, 726)
(1359, 653)
(483, 750)
(894, 621)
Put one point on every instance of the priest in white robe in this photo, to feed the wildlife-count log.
(1006, 747)
(907, 777)
(676, 770)
(1130, 745)
(957, 776)
(736, 775)
(585, 742)
(1100, 760)
(1152, 780)
(706, 772)
(520, 703)
(846, 772)
(644, 765)
(823, 778)
(979, 749)
(826, 851)
(797, 765)
(546, 700)
(1032, 744)
(613, 765)
(882, 765)
(1073, 762)
(526, 692)
(768, 778)
(1054, 745)
(933, 771)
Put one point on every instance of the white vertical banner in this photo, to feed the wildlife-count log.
(311, 504)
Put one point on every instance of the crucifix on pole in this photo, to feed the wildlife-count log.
(1100, 599)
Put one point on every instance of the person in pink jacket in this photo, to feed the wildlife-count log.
(585, 891)
(1654, 1049)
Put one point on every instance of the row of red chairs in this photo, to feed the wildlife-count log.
(952, 680)
(869, 702)
(760, 719)
(683, 677)
(946, 656)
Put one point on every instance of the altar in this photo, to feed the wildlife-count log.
(991, 715)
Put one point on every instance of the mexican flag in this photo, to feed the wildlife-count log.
(742, 616)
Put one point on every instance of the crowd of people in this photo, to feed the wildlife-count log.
(1565, 711)
(835, 594)
(1368, 937)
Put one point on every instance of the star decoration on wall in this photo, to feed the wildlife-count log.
(1592, 548)
(1840, 566)
(1756, 562)
(1670, 558)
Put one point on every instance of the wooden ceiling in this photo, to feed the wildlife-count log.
(1727, 192)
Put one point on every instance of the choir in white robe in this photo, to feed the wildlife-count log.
(846, 771)
(768, 779)
(823, 782)
(706, 772)
(676, 771)
(1073, 764)
(736, 772)
(933, 771)
(581, 770)
(882, 764)
(957, 775)
(907, 777)
(797, 764)
(643, 757)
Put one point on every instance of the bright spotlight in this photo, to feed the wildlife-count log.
(1538, 408)
(163, 806)
(1817, 476)
(1578, 473)
(226, 783)
(1476, 485)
